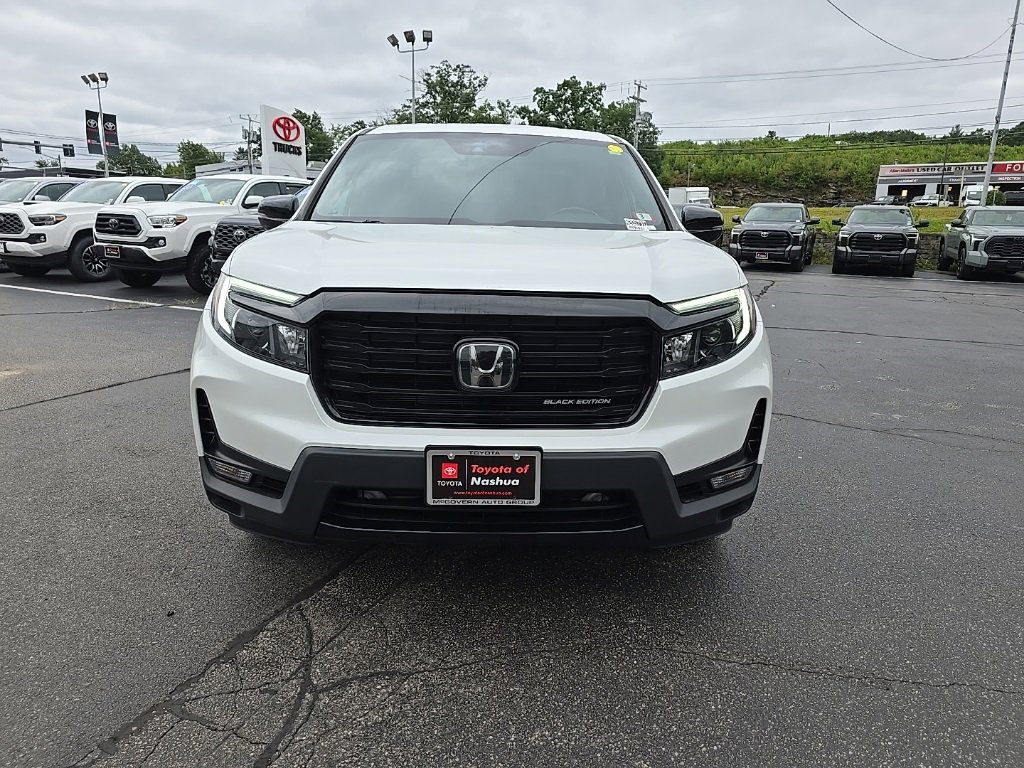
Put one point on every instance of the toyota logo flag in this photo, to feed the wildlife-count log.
(92, 133)
(284, 143)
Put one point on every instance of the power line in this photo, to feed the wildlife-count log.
(911, 53)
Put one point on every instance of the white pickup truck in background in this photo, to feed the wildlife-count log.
(37, 238)
(144, 241)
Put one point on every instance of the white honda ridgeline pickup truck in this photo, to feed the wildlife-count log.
(481, 332)
(142, 242)
(45, 236)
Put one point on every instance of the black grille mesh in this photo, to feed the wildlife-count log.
(11, 224)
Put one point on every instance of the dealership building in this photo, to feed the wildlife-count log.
(910, 181)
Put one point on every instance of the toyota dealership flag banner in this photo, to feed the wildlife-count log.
(110, 134)
(284, 143)
(92, 132)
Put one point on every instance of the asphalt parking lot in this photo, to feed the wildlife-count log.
(868, 611)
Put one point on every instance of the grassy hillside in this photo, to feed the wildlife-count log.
(816, 169)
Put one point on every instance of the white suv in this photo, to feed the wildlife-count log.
(481, 331)
(38, 238)
(146, 241)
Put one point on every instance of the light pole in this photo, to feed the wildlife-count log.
(410, 37)
(999, 109)
(96, 82)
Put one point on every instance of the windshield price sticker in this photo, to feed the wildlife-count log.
(483, 477)
(637, 225)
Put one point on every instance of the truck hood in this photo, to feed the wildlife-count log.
(990, 231)
(303, 257)
(770, 226)
(197, 210)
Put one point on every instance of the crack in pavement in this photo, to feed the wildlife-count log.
(764, 290)
(906, 432)
(115, 308)
(890, 336)
(95, 389)
(832, 674)
(109, 746)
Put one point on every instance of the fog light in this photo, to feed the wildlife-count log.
(161, 242)
(372, 495)
(595, 498)
(718, 482)
(230, 471)
(42, 238)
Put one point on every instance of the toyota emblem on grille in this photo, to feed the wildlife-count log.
(878, 237)
(486, 364)
(764, 234)
(113, 223)
(239, 235)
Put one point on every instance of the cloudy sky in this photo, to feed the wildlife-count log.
(185, 69)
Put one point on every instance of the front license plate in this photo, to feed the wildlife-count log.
(112, 251)
(483, 476)
(761, 257)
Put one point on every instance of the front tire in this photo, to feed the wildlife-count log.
(964, 271)
(798, 265)
(908, 267)
(838, 265)
(28, 270)
(944, 262)
(84, 265)
(199, 272)
(137, 279)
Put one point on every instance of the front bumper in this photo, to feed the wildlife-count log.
(311, 460)
(34, 248)
(325, 497)
(788, 255)
(138, 258)
(885, 258)
(1005, 264)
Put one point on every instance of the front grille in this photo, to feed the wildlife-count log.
(406, 510)
(755, 239)
(887, 242)
(1005, 247)
(399, 369)
(228, 236)
(11, 224)
(119, 224)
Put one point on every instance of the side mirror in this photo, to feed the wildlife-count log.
(41, 199)
(956, 224)
(253, 200)
(276, 210)
(837, 222)
(922, 224)
(735, 219)
(815, 220)
(136, 199)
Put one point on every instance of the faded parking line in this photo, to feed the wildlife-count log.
(100, 298)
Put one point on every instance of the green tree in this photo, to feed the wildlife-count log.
(132, 161)
(570, 104)
(191, 154)
(619, 119)
(451, 94)
(45, 163)
(319, 144)
(174, 171)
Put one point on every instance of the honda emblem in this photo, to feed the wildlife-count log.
(486, 364)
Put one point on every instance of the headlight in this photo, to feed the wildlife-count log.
(735, 232)
(976, 245)
(712, 342)
(844, 236)
(165, 222)
(47, 220)
(260, 335)
(797, 235)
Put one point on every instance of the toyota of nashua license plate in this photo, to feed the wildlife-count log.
(762, 256)
(483, 476)
(112, 251)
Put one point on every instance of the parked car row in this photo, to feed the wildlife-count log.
(133, 228)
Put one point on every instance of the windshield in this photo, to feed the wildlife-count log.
(998, 219)
(104, 192)
(880, 216)
(221, 191)
(763, 213)
(494, 179)
(15, 191)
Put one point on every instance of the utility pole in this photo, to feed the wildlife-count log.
(637, 100)
(248, 138)
(999, 109)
